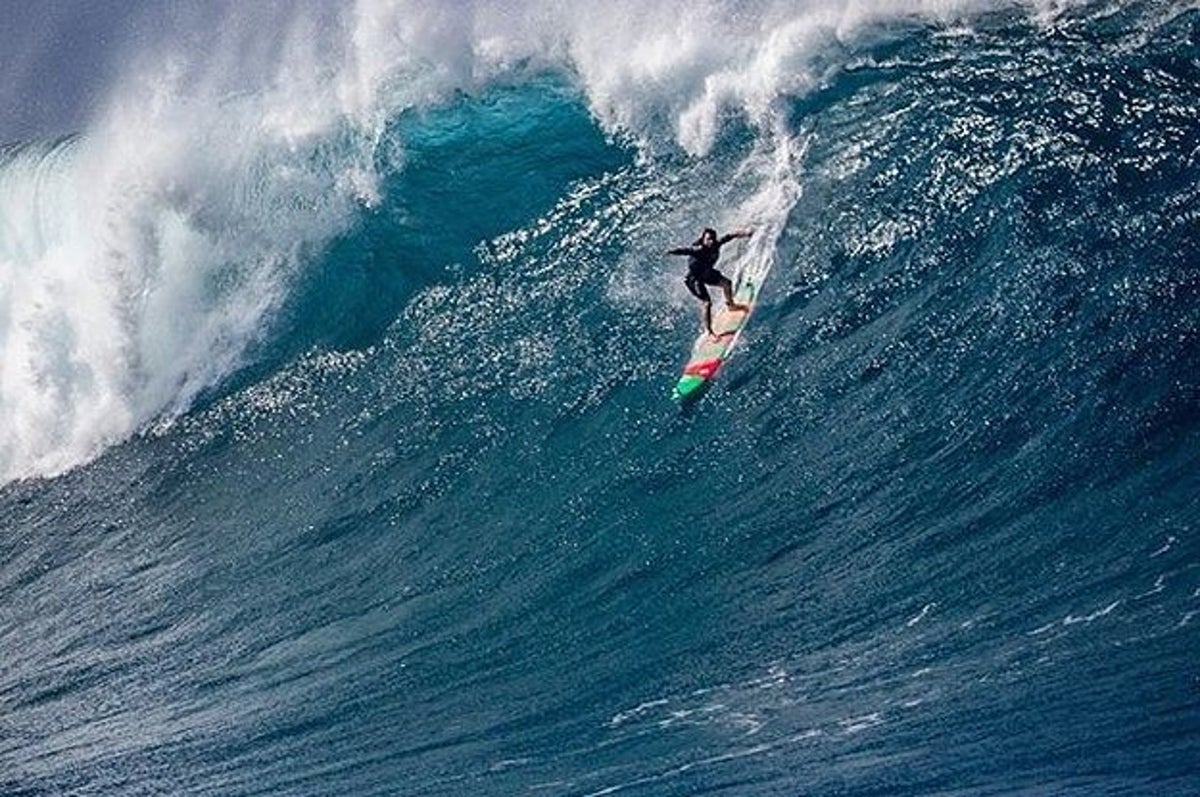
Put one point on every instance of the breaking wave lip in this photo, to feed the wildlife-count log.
(143, 259)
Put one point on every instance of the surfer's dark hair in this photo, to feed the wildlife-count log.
(704, 232)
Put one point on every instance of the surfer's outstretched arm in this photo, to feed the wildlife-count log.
(745, 232)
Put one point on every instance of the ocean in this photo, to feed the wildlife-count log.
(337, 449)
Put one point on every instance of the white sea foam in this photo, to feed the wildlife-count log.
(139, 262)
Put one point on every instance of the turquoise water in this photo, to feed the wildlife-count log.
(340, 455)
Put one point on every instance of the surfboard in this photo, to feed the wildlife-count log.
(710, 352)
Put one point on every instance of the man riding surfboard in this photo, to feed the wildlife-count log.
(702, 271)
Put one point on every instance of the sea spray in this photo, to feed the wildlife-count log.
(144, 260)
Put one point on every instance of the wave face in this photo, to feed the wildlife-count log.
(337, 442)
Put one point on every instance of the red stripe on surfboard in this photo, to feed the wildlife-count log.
(704, 368)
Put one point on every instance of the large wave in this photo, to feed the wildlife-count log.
(377, 302)
(145, 259)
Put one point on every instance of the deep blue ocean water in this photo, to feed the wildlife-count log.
(339, 456)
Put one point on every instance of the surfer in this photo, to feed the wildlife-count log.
(702, 271)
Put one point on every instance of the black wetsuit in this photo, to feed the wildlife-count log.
(702, 262)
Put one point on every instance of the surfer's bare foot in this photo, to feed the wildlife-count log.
(738, 306)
